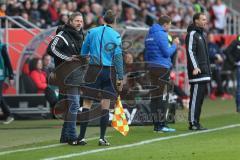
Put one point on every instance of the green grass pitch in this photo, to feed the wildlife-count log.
(38, 139)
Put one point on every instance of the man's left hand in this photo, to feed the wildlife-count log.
(119, 84)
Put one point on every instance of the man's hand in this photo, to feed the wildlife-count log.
(86, 59)
(176, 41)
(119, 84)
(76, 57)
(11, 82)
(73, 58)
(196, 71)
(219, 59)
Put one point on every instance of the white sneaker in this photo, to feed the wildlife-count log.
(8, 120)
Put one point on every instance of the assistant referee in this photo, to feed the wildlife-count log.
(105, 72)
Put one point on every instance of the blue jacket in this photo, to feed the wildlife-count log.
(157, 49)
(103, 45)
(213, 50)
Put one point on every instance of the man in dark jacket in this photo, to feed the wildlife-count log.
(5, 71)
(232, 61)
(198, 68)
(216, 61)
(158, 54)
(232, 53)
(66, 46)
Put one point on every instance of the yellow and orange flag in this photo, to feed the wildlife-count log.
(119, 121)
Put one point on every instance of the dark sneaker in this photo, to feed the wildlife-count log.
(197, 127)
(82, 142)
(73, 142)
(8, 120)
(103, 142)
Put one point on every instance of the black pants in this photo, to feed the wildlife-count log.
(179, 92)
(159, 78)
(216, 75)
(197, 93)
(3, 104)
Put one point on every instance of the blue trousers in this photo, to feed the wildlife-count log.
(69, 125)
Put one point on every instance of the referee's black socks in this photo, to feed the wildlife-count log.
(104, 122)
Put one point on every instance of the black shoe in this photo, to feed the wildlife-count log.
(82, 142)
(196, 127)
(103, 142)
(73, 142)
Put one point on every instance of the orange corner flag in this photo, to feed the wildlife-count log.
(119, 121)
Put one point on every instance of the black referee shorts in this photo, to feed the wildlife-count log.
(100, 83)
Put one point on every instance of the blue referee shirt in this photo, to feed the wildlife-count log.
(103, 45)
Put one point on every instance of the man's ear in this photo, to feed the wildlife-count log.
(164, 25)
(196, 21)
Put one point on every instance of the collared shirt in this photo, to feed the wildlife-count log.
(102, 44)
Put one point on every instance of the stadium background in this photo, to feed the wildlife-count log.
(28, 26)
(27, 32)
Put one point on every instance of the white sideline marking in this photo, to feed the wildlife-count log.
(41, 147)
(141, 143)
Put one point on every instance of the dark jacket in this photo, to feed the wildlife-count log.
(232, 53)
(197, 55)
(66, 43)
(158, 52)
